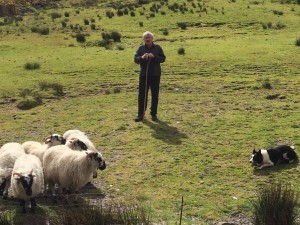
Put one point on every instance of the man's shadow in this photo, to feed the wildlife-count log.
(165, 132)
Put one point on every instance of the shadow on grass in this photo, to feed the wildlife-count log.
(275, 169)
(163, 131)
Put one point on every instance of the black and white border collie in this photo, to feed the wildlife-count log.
(273, 156)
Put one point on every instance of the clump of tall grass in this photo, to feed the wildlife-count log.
(181, 51)
(30, 99)
(80, 38)
(32, 66)
(55, 15)
(101, 215)
(297, 42)
(6, 218)
(57, 88)
(275, 205)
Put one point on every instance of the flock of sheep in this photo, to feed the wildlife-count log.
(69, 161)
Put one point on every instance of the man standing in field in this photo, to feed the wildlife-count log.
(149, 56)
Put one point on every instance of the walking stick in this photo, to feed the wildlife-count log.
(146, 89)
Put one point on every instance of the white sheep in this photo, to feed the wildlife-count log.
(78, 140)
(38, 149)
(27, 180)
(8, 155)
(69, 169)
(77, 134)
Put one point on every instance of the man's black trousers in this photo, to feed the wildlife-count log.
(153, 84)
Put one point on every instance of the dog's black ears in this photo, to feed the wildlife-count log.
(254, 151)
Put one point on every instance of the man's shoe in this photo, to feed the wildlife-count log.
(138, 119)
(154, 118)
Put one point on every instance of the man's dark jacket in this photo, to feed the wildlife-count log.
(154, 65)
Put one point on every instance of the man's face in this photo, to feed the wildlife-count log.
(148, 39)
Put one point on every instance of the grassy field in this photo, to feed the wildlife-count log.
(235, 88)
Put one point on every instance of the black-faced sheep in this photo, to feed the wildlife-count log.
(27, 180)
(69, 169)
(8, 155)
(80, 142)
(38, 149)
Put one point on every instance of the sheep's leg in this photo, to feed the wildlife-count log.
(33, 204)
(76, 197)
(5, 195)
(23, 204)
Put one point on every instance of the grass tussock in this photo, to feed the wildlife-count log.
(57, 88)
(102, 215)
(275, 205)
(32, 66)
(297, 42)
(6, 218)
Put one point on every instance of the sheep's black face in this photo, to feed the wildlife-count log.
(58, 138)
(81, 145)
(2, 185)
(26, 182)
(101, 163)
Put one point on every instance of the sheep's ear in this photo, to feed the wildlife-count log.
(18, 176)
(48, 139)
(73, 140)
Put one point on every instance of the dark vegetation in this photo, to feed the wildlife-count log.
(276, 205)
(88, 214)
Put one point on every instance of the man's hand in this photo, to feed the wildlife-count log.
(150, 55)
(145, 56)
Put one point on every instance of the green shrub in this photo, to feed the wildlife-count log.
(55, 87)
(266, 84)
(93, 26)
(67, 14)
(106, 43)
(277, 12)
(25, 92)
(141, 24)
(80, 38)
(44, 31)
(107, 214)
(55, 15)
(119, 47)
(132, 13)
(116, 36)
(34, 29)
(30, 102)
(32, 66)
(181, 51)
(109, 14)
(276, 205)
(279, 26)
(63, 24)
(297, 42)
(165, 32)
(86, 21)
(182, 25)
(6, 218)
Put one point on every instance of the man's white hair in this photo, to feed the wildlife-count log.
(148, 33)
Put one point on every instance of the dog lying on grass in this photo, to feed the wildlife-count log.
(273, 156)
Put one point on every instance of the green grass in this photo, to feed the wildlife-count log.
(213, 107)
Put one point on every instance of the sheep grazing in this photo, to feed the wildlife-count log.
(38, 149)
(78, 140)
(69, 169)
(77, 134)
(27, 180)
(8, 155)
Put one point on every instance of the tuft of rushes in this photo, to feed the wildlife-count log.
(275, 205)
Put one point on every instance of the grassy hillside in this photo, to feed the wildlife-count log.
(235, 88)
